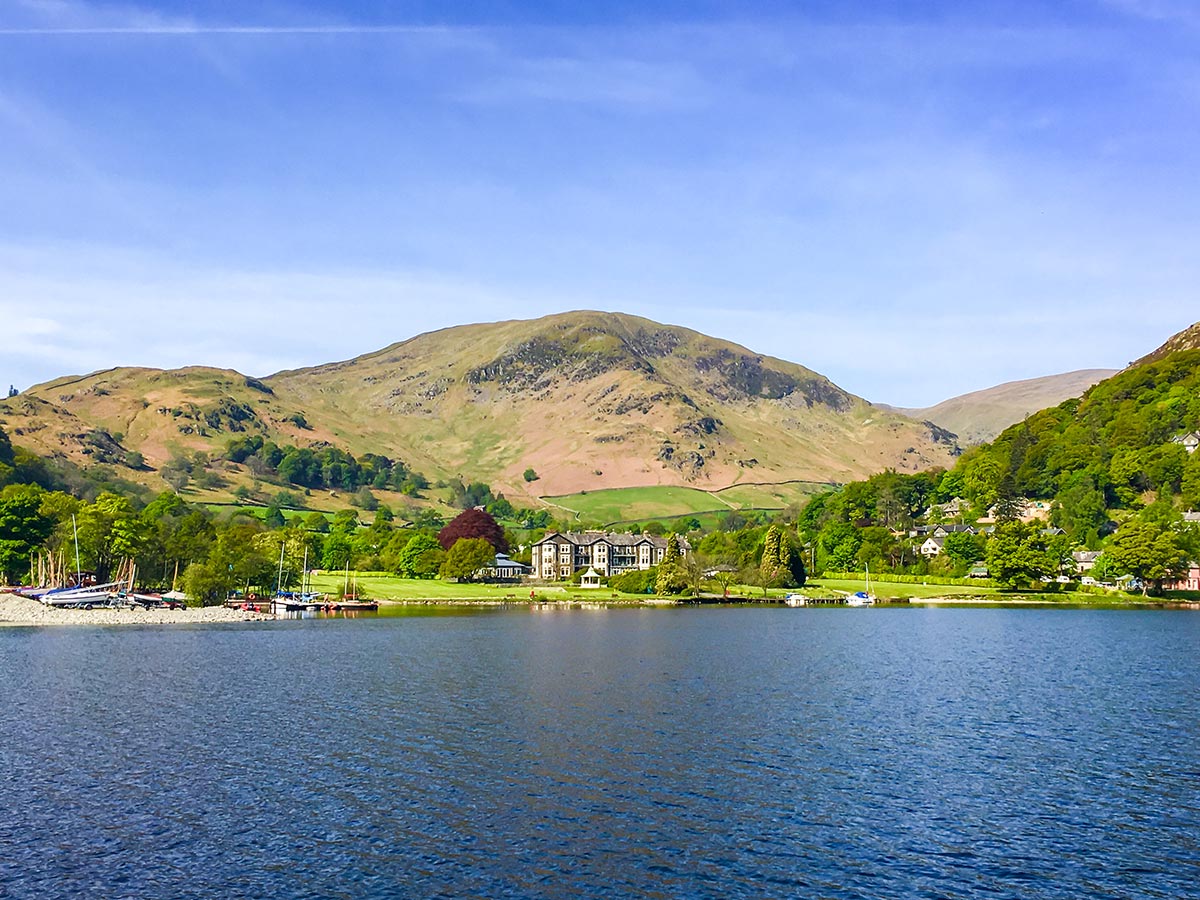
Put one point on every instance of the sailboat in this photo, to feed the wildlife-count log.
(863, 597)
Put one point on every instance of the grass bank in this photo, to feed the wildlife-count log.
(382, 586)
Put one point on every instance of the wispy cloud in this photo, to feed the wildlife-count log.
(74, 17)
(196, 29)
(1174, 12)
(614, 80)
(293, 317)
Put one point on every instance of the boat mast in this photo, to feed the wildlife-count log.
(279, 580)
(78, 570)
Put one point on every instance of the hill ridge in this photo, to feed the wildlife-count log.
(586, 399)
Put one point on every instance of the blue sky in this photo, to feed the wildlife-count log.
(915, 199)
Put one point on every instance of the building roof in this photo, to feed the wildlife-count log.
(502, 561)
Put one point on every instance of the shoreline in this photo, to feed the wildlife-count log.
(22, 612)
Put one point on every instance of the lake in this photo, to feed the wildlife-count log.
(692, 752)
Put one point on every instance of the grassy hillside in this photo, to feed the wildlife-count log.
(981, 415)
(1118, 436)
(664, 501)
(598, 400)
(588, 400)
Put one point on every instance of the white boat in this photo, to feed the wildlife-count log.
(796, 600)
(79, 596)
(863, 597)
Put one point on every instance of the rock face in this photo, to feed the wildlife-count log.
(1188, 339)
(588, 399)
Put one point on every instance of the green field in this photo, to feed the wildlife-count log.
(891, 591)
(381, 586)
(771, 496)
(634, 504)
(641, 504)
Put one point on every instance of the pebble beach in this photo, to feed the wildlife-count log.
(16, 610)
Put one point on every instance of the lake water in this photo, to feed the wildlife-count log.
(706, 752)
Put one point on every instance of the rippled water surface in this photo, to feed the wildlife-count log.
(669, 753)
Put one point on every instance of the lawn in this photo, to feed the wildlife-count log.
(637, 504)
(771, 496)
(890, 591)
(381, 586)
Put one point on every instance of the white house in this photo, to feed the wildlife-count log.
(1190, 441)
(933, 546)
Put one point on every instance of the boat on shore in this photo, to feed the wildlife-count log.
(796, 600)
(863, 597)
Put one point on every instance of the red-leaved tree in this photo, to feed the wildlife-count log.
(473, 523)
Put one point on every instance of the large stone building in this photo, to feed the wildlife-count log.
(559, 554)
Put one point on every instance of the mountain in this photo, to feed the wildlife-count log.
(592, 400)
(1118, 446)
(981, 415)
(588, 400)
(1188, 339)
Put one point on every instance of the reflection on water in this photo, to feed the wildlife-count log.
(685, 752)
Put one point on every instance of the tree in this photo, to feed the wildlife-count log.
(635, 581)
(1079, 510)
(23, 528)
(781, 564)
(273, 517)
(672, 577)
(473, 523)
(723, 572)
(236, 561)
(732, 521)
(110, 530)
(1149, 551)
(1016, 555)
(840, 541)
(1190, 485)
(7, 470)
(529, 475)
(773, 564)
(963, 548)
(176, 478)
(693, 573)
(421, 557)
(206, 584)
(337, 550)
(364, 499)
(466, 557)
